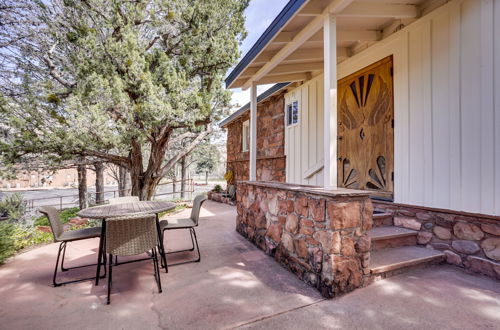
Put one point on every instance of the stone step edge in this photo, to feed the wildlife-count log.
(381, 215)
(410, 232)
(406, 263)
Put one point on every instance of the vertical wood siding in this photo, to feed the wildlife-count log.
(304, 141)
(447, 109)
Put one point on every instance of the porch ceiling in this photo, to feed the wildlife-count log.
(295, 51)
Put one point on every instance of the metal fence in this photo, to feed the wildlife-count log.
(170, 189)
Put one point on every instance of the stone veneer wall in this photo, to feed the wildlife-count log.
(471, 242)
(319, 236)
(270, 143)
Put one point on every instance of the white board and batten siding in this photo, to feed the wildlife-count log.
(446, 108)
(304, 140)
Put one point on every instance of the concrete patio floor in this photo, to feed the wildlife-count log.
(234, 285)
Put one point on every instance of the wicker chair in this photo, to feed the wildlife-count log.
(64, 237)
(126, 199)
(189, 223)
(132, 235)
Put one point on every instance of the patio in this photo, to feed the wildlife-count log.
(234, 285)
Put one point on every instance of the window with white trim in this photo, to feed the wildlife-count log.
(292, 113)
(245, 145)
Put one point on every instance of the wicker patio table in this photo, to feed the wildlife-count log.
(104, 212)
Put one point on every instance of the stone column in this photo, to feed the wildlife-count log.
(318, 235)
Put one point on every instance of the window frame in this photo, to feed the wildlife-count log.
(289, 115)
(245, 136)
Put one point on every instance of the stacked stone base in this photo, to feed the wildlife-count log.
(219, 197)
(318, 235)
(468, 241)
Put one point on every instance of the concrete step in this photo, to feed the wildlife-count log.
(392, 237)
(381, 218)
(387, 262)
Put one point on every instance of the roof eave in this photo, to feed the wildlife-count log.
(269, 92)
(291, 8)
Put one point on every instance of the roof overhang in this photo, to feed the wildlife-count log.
(291, 48)
(270, 92)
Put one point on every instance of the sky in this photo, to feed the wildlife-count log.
(259, 15)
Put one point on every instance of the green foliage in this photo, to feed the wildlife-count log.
(217, 188)
(14, 237)
(207, 158)
(116, 79)
(7, 243)
(25, 236)
(65, 215)
(13, 206)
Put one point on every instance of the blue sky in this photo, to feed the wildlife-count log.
(259, 14)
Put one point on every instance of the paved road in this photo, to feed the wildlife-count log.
(69, 196)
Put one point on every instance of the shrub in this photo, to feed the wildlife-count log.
(26, 236)
(13, 206)
(7, 243)
(217, 188)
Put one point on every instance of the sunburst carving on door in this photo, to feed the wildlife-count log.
(365, 144)
(349, 175)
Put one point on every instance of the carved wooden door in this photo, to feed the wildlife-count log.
(365, 129)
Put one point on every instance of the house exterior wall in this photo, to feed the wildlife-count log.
(304, 140)
(270, 143)
(446, 108)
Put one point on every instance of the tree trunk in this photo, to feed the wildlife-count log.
(123, 182)
(206, 178)
(82, 186)
(183, 177)
(99, 183)
(144, 183)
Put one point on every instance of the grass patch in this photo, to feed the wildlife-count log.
(178, 207)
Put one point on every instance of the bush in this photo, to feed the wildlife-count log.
(13, 206)
(65, 215)
(26, 236)
(7, 243)
(217, 188)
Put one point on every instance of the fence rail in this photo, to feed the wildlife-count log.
(63, 201)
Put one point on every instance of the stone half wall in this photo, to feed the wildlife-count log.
(270, 143)
(319, 236)
(468, 241)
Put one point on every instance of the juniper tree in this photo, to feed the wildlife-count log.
(120, 81)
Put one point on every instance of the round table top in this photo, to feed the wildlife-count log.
(123, 209)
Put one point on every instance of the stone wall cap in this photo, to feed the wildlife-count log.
(316, 190)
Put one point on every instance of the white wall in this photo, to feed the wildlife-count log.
(304, 141)
(447, 109)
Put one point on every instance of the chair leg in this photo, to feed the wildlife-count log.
(185, 250)
(62, 260)
(162, 252)
(163, 255)
(61, 247)
(197, 245)
(101, 252)
(62, 250)
(110, 270)
(194, 239)
(156, 270)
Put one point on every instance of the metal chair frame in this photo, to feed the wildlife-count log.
(192, 232)
(156, 268)
(123, 246)
(62, 248)
(55, 224)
